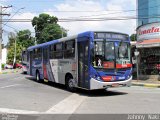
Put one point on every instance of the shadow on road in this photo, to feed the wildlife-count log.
(100, 93)
(89, 93)
(51, 84)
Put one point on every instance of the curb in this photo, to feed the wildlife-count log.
(15, 71)
(146, 85)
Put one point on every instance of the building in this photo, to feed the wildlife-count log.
(148, 36)
(148, 11)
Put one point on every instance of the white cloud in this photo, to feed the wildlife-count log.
(127, 26)
(3, 2)
(83, 5)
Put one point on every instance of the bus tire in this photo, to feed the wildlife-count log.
(38, 79)
(70, 84)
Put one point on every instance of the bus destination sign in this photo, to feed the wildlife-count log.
(118, 36)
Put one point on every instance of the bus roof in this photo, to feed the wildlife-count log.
(49, 43)
(87, 34)
(59, 40)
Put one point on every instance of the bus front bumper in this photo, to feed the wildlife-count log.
(95, 84)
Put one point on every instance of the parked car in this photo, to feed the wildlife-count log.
(24, 68)
(18, 65)
(7, 66)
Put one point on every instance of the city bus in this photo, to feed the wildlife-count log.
(89, 60)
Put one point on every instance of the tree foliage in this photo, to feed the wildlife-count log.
(46, 28)
(133, 37)
(23, 40)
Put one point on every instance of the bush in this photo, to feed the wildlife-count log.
(3, 65)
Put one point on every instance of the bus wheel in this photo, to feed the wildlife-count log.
(38, 79)
(70, 84)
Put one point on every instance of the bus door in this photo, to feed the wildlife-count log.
(83, 57)
(45, 61)
(30, 62)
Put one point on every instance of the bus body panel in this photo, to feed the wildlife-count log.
(45, 59)
(47, 71)
(95, 84)
(61, 67)
(37, 67)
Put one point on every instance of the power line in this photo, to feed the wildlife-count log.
(16, 8)
(113, 11)
(12, 28)
(120, 11)
(88, 19)
(12, 16)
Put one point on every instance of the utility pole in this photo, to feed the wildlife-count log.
(136, 53)
(1, 14)
(14, 61)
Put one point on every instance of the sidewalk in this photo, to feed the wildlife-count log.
(6, 71)
(146, 83)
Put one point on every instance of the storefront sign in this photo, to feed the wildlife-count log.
(149, 31)
(148, 45)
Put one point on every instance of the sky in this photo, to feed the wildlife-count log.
(27, 9)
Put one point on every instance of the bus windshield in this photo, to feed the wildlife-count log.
(109, 51)
(109, 54)
(122, 51)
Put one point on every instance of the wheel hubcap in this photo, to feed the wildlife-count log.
(71, 83)
(37, 77)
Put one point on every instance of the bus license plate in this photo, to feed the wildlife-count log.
(115, 85)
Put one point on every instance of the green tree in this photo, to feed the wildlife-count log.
(23, 40)
(46, 28)
(133, 37)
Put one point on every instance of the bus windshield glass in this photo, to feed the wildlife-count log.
(111, 53)
(122, 51)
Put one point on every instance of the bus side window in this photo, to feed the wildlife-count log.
(51, 51)
(58, 51)
(69, 49)
(27, 56)
(37, 54)
(34, 54)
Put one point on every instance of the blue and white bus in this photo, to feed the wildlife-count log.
(89, 60)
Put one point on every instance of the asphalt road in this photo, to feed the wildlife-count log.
(20, 94)
(18, 91)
